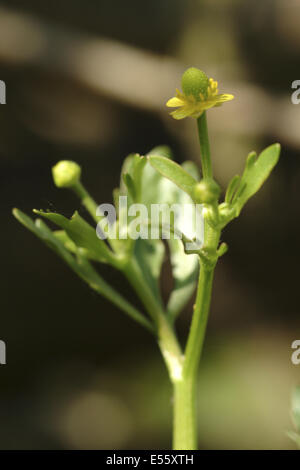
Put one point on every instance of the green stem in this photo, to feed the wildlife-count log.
(198, 326)
(204, 146)
(86, 200)
(135, 277)
(185, 390)
(184, 412)
(167, 340)
(185, 403)
(104, 289)
(90, 204)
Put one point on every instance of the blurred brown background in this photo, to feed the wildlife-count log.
(87, 80)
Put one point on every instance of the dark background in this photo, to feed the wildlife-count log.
(87, 80)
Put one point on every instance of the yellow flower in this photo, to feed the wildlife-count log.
(199, 94)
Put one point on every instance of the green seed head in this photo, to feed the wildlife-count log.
(206, 191)
(66, 173)
(194, 82)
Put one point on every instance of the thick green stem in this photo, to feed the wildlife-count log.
(185, 391)
(204, 146)
(185, 418)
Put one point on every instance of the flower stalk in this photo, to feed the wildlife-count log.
(185, 430)
(204, 146)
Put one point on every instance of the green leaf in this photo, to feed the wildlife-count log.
(62, 236)
(136, 173)
(149, 255)
(173, 172)
(81, 266)
(192, 169)
(162, 151)
(131, 176)
(82, 234)
(126, 168)
(43, 232)
(255, 174)
(97, 283)
(147, 181)
(131, 190)
(185, 272)
(185, 267)
(156, 189)
(40, 229)
(232, 187)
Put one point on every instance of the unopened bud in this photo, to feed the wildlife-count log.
(206, 191)
(66, 174)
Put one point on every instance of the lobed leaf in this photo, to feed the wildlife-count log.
(232, 187)
(149, 255)
(82, 234)
(156, 189)
(81, 266)
(256, 172)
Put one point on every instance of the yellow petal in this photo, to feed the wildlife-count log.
(224, 97)
(179, 94)
(197, 113)
(174, 102)
(180, 113)
(207, 104)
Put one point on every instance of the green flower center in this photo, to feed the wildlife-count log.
(194, 82)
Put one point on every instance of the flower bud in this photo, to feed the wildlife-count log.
(194, 82)
(206, 191)
(66, 174)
